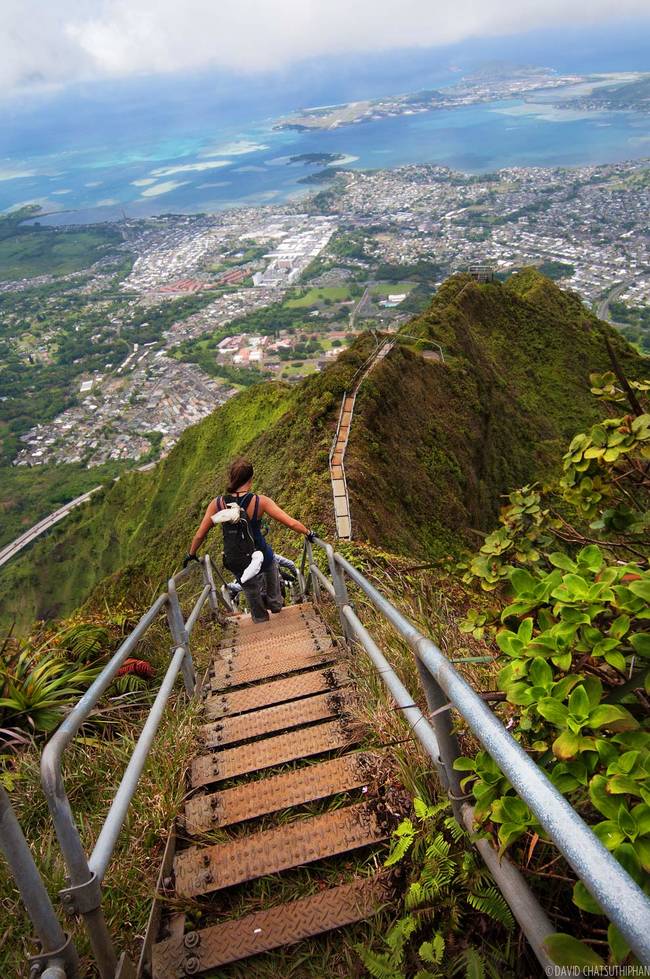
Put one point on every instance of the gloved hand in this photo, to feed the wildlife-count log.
(188, 558)
(311, 536)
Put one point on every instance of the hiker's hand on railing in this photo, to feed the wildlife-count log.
(311, 536)
(188, 558)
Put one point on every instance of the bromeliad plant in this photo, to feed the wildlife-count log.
(575, 646)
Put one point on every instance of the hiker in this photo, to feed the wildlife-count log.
(231, 591)
(246, 553)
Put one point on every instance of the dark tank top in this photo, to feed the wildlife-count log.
(244, 500)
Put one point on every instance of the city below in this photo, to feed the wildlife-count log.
(206, 305)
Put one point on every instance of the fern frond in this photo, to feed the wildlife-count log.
(492, 903)
(474, 967)
(379, 965)
(423, 811)
(399, 934)
(433, 951)
(457, 831)
(401, 842)
(438, 848)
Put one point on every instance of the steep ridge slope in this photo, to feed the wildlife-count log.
(432, 446)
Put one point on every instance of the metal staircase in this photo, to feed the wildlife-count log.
(279, 736)
(286, 676)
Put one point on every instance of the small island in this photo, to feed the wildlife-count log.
(316, 159)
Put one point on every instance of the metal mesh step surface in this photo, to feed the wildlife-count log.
(201, 870)
(274, 692)
(278, 666)
(217, 809)
(265, 930)
(272, 751)
(282, 717)
(273, 637)
(240, 658)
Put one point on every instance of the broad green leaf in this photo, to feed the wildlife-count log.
(641, 588)
(523, 582)
(561, 560)
(618, 944)
(609, 834)
(540, 673)
(641, 814)
(621, 785)
(601, 799)
(583, 899)
(566, 950)
(642, 849)
(619, 626)
(567, 745)
(525, 631)
(591, 557)
(627, 822)
(617, 660)
(641, 643)
(627, 857)
(553, 711)
(594, 689)
(465, 764)
(579, 703)
(608, 714)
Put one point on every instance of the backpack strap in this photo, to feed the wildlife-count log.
(243, 503)
(257, 506)
(220, 503)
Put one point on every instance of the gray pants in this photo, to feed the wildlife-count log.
(264, 593)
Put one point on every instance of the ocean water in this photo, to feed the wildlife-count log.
(88, 157)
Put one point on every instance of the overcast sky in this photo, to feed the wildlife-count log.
(60, 41)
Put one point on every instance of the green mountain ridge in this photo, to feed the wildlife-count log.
(432, 448)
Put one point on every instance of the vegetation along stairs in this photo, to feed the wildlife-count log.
(279, 737)
(342, 513)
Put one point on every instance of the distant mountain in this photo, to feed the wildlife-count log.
(433, 446)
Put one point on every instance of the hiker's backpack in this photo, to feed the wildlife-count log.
(238, 538)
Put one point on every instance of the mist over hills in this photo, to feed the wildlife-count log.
(433, 446)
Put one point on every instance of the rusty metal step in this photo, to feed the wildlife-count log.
(245, 625)
(275, 692)
(244, 662)
(291, 632)
(263, 931)
(202, 870)
(272, 751)
(238, 657)
(281, 717)
(259, 798)
(278, 666)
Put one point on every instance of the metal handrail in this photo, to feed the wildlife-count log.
(57, 950)
(621, 899)
(85, 874)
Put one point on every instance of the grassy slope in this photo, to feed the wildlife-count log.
(142, 525)
(432, 447)
(47, 251)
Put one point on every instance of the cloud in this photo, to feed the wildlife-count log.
(53, 42)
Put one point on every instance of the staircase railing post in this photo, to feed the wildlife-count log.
(180, 637)
(440, 718)
(57, 950)
(208, 578)
(340, 591)
(315, 584)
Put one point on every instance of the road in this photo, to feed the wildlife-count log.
(10, 550)
(602, 311)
